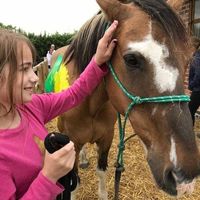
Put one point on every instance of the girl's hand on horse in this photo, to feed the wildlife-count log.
(59, 163)
(106, 45)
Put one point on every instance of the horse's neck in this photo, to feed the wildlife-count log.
(98, 97)
(73, 72)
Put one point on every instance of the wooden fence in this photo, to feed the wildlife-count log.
(42, 71)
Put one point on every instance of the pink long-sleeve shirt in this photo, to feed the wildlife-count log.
(20, 157)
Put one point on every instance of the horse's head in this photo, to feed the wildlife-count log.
(149, 60)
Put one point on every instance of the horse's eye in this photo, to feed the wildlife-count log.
(132, 61)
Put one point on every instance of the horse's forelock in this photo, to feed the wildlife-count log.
(84, 45)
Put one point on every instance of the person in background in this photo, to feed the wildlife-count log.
(53, 48)
(48, 56)
(24, 174)
(194, 79)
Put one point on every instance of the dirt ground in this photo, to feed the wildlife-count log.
(136, 181)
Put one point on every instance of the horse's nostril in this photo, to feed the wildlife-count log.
(170, 178)
(176, 182)
(170, 182)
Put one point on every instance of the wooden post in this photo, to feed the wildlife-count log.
(42, 71)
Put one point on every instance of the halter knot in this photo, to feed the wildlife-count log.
(137, 100)
(121, 147)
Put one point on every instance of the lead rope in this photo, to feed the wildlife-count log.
(135, 100)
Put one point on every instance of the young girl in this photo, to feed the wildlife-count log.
(23, 115)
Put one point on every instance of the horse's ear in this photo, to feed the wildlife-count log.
(175, 4)
(111, 8)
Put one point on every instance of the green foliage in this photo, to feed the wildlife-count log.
(8, 27)
(43, 42)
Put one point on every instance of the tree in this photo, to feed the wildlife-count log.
(43, 42)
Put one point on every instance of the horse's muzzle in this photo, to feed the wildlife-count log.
(177, 183)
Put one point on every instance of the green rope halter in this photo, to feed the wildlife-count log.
(137, 100)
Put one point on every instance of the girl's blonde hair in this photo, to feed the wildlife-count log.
(9, 49)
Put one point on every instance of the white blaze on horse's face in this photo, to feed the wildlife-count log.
(165, 76)
(173, 155)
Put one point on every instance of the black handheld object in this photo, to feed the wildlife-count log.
(53, 142)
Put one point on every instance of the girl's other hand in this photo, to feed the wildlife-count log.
(59, 163)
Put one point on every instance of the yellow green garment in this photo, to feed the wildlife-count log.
(58, 78)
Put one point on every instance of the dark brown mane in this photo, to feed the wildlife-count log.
(84, 45)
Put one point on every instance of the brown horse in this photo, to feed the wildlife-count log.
(149, 60)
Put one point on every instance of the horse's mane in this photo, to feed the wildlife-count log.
(84, 44)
